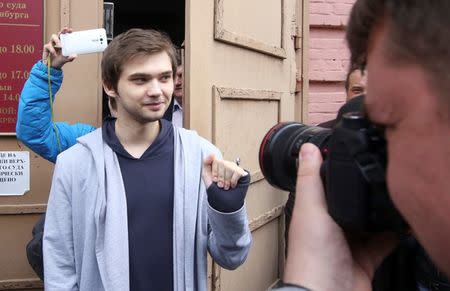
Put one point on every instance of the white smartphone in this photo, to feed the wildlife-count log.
(83, 42)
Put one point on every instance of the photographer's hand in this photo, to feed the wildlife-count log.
(52, 49)
(319, 255)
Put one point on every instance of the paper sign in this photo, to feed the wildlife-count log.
(14, 173)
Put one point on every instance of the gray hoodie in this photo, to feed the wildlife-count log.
(86, 229)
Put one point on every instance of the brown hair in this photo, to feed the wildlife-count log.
(134, 43)
(418, 33)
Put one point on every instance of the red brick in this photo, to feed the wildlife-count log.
(328, 58)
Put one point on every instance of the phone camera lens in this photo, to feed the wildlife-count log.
(101, 39)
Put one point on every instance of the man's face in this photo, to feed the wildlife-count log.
(178, 92)
(418, 136)
(356, 84)
(144, 89)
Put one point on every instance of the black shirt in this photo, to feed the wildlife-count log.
(149, 192)
(148, 182)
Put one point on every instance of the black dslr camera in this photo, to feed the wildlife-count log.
(353, 171)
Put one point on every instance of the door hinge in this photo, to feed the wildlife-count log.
(298, 42)
(296, 34)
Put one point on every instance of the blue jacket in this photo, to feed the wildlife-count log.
(34, 119)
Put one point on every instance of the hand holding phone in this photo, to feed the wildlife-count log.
(52, 51)
(83, 42)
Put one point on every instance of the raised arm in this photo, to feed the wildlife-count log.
(35, 127)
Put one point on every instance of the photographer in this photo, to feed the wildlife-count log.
(406, 46)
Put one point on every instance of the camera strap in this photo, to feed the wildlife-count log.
(380, 202)
(51, 104)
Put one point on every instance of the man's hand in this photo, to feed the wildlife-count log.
(52, 49)
(320, 255)
(225, 173)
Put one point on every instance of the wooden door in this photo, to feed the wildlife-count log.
(241, 80)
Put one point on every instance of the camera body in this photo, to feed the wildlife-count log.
(353, 169)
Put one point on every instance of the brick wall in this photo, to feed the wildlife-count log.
(328, 57)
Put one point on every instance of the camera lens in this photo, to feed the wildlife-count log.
(279, 149)
(101, 39)
(353, 171)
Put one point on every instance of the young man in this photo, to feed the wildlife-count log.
(136, 204)
(35, 127)
(407, 92)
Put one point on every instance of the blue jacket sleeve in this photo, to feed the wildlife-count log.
(34, 126)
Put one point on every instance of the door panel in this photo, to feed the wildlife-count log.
(265, 249)
(237, 20)
(240, 81)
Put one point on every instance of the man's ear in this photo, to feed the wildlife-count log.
(112, 104)
(109, 90)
